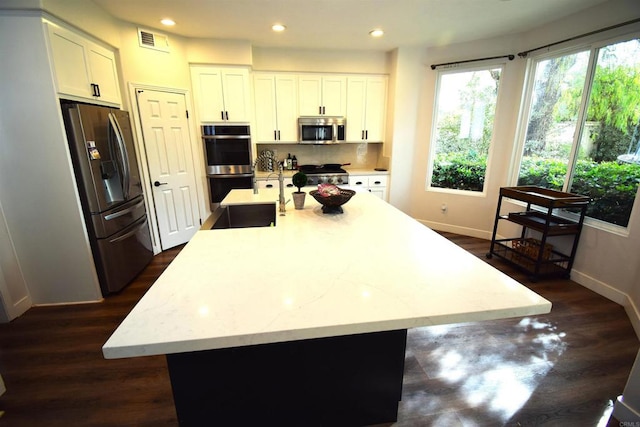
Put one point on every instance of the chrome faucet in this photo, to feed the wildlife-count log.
(281, 200)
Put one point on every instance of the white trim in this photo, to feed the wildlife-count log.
(463, 231)
(622, 411)
(599, 287)
(462, 68)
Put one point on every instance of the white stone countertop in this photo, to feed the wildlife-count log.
(313, 275)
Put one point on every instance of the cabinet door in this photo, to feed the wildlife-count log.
(104, 73)
(207, 87)
(334, 96)
(287, 107)
(265, 105)
(356, 96)
(310, 95)
(379, 192)
(235, 94)
(375, 109)
(70, 62)
(378, 185)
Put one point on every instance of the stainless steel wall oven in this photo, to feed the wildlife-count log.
(228, 159)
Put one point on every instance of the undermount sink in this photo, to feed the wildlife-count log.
(243, 216)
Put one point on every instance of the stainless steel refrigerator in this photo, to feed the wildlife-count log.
(104, 161)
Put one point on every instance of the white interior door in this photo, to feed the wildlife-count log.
(167, 141)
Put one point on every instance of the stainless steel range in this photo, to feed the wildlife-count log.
(325, 174)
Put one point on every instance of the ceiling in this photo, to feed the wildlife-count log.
(345, 24)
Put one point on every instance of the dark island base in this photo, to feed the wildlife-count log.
(351, 380)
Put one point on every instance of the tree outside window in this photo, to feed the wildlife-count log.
(465, 110)
(583, 133)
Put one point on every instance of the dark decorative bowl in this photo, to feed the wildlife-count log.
(333, 204)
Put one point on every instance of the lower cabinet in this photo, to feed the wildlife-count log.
(273, 183)
(376, 184)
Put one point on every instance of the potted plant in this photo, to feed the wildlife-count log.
(299, 180)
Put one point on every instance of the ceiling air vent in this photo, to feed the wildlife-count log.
(152, 40)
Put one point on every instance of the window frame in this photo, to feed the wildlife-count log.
(485, 66)
(593, 45)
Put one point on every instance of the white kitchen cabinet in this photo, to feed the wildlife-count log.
(366, 108)
(322, 95)
(83, 69)
(273, 183)
(376, 184)
(276, 105)
(221, 94)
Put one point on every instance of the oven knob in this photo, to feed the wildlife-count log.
(339, 180)
(330, 180)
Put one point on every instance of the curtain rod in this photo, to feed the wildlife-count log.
(433, 67)
(613, 27)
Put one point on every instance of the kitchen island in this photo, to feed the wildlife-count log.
(304, 323)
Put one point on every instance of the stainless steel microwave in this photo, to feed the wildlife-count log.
(321, 130)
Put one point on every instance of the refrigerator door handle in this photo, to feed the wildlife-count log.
(130, 233)
(126, 178)
(124, 211)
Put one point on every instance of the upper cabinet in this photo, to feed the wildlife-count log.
(322, 95)
(221, 94)
(276, 105)
(84, 70)
(366, 108)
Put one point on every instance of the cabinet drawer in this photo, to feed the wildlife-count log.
(361, 181)
(273, 183)
(367, 181)
(378, 180)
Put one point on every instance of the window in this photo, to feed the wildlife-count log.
(582, 133)
(465, 109)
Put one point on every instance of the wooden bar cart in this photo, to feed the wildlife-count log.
(537, 256)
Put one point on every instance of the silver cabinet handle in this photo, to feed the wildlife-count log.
(124, 212)
(129, 234)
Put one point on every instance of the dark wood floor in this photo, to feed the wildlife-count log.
(565, 368)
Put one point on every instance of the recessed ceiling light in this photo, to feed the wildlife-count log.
(376, 33)
(278, 27)
(168, 22)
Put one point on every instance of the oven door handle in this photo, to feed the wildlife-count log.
(231, 175)
(226, 137)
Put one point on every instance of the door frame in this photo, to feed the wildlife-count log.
(143, 165)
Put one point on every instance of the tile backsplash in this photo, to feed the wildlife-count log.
(361, 156)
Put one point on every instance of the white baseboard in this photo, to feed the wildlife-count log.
(600, 287)
(597, 286)
(625, 413)
(463, 231)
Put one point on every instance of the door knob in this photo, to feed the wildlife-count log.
(158, 183)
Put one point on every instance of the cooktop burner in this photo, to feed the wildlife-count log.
(325, 175)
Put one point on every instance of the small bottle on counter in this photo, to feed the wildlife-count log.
(294, 162)
(288, 162)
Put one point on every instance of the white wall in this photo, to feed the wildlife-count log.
(605, 262)
(407, 86)
(37, 188)
(321, 61)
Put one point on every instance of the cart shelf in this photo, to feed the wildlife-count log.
(534, 256)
